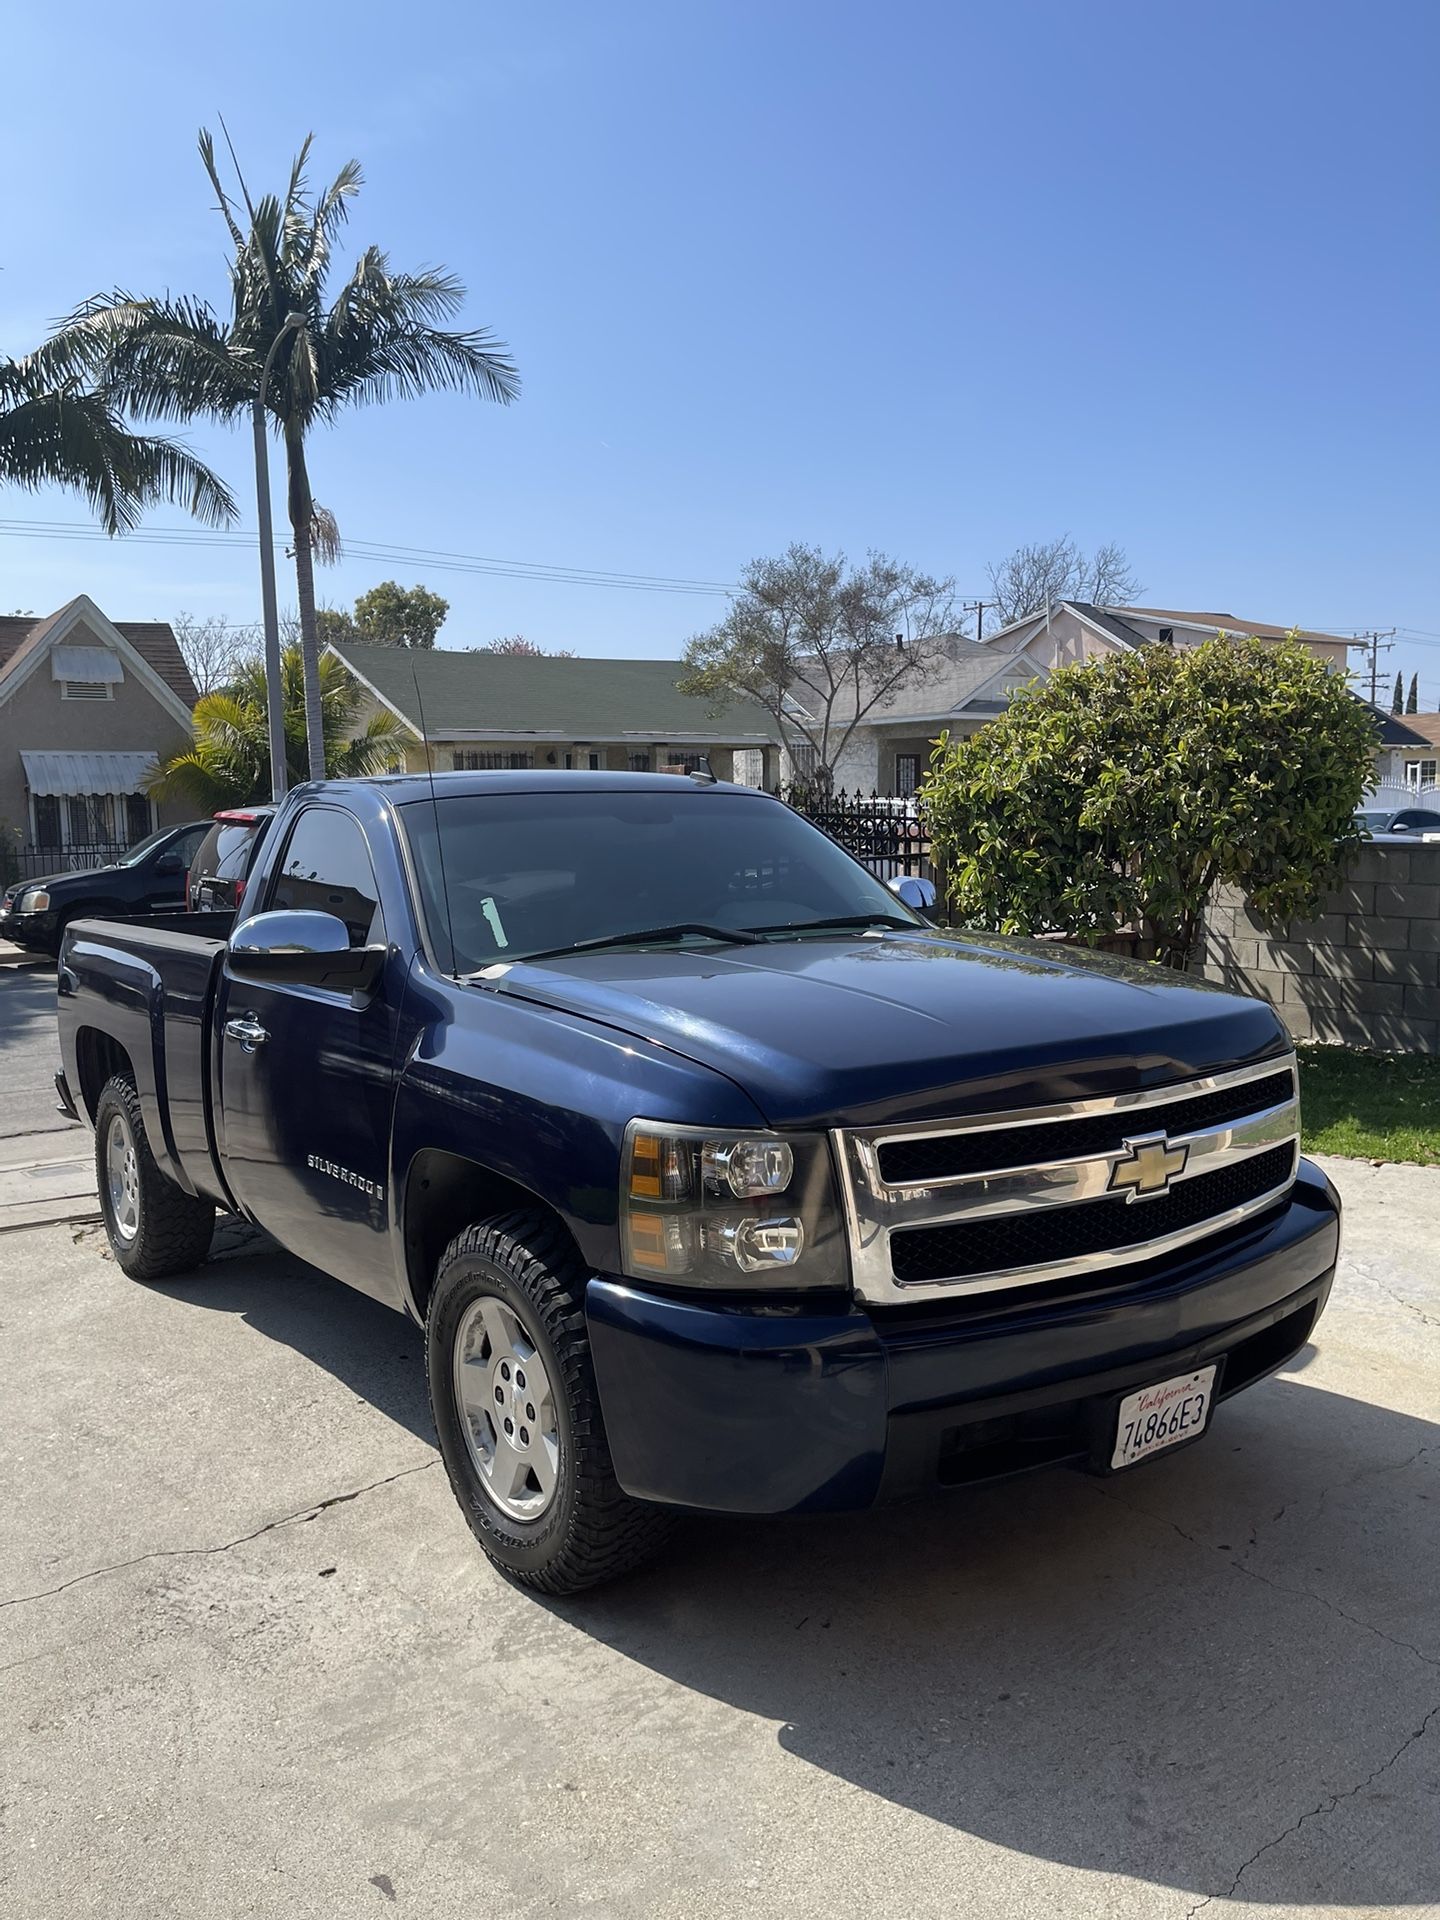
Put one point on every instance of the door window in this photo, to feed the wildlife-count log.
(907, 773)
(326, 869)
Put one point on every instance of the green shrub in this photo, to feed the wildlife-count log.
(1114, 797)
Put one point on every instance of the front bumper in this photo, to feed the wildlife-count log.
(30, 929)
(730, 1409)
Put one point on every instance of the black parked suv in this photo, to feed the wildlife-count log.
(221, 865)
(150, 878)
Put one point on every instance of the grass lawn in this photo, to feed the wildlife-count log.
(1370, 1106)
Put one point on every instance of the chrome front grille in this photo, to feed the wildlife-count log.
(967, 1206)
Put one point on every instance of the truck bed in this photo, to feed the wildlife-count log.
(144, 984)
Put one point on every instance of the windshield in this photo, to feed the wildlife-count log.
(143, 847)
(533, 873)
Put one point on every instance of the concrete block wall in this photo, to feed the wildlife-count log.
(1364, 973)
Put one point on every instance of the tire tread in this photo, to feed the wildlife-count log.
(175, 1227)
(608, 1533)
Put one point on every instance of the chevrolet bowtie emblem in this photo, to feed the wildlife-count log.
(1148, 1167)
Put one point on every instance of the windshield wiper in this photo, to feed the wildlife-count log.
(839, 924)
(731, 936)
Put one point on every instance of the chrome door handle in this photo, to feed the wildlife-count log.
(248, 1031)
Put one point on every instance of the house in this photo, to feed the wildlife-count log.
(483, 710)
(889, 750)
(1075, 630)
(88, 706)
(1410, 750)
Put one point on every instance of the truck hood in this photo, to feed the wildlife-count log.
(77, 880)
(909, 1026)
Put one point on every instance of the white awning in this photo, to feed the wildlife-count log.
(94, 665)
(86, 772)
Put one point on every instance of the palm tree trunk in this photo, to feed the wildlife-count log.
(301, 515)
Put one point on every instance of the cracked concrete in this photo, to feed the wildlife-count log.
(181, 1553)
(251, 1663)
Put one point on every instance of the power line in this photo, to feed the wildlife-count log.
(431, 558)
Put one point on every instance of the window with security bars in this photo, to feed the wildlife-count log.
(639, 762)
(465, 761)
(89, 819)
(907, 773)
(47, 820)
(137, 817)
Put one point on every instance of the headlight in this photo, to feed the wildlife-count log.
(35, 901)
(707, 1209)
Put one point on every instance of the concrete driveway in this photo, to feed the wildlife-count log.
(251, 1663)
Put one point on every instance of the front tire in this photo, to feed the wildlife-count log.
(155, 1228)
(512, 1390)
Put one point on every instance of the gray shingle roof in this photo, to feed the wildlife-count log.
(479, 693)
(1108, 622)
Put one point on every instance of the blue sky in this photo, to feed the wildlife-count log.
(931, 278)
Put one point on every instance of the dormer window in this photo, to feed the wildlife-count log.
(1167, 636)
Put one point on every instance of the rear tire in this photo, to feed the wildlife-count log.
(512, 1391)
(155, 1228)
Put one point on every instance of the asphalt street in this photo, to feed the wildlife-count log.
(29, 1053)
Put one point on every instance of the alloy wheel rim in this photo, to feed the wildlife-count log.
(507, 1409)
(122, 1178)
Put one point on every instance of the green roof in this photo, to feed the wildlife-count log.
(499, 693)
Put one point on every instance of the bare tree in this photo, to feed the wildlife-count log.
(517, 643)
(213, 648)
(823, 646)
(1056, 570)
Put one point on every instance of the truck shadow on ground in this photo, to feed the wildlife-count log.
(1157, 1676)
(1210, 1675)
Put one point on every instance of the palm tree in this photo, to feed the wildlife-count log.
(229, 762)
(55, 432)
(378, 339)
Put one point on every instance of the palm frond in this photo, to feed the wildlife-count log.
(162, 359)
(207, 156)
(330, 213)
(417, 360)
(324, 535)
(73, 438)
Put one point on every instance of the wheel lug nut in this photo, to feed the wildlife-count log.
(504, 1369)
(519, 1379)
(529, 1413)
(500, 1395)
(524, 1436)
(509, 1426)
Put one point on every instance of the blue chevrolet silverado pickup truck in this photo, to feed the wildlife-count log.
(718, 1178)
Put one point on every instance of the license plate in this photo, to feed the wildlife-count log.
(1162, 1415)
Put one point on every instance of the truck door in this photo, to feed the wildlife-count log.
(306, 1079)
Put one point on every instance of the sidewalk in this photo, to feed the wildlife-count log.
(47, 1178)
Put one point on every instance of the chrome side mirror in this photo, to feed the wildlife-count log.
(299, 947)
(915, 892)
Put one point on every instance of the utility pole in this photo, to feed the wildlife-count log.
(274, 688)
(1372, 643)
(980, 606)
